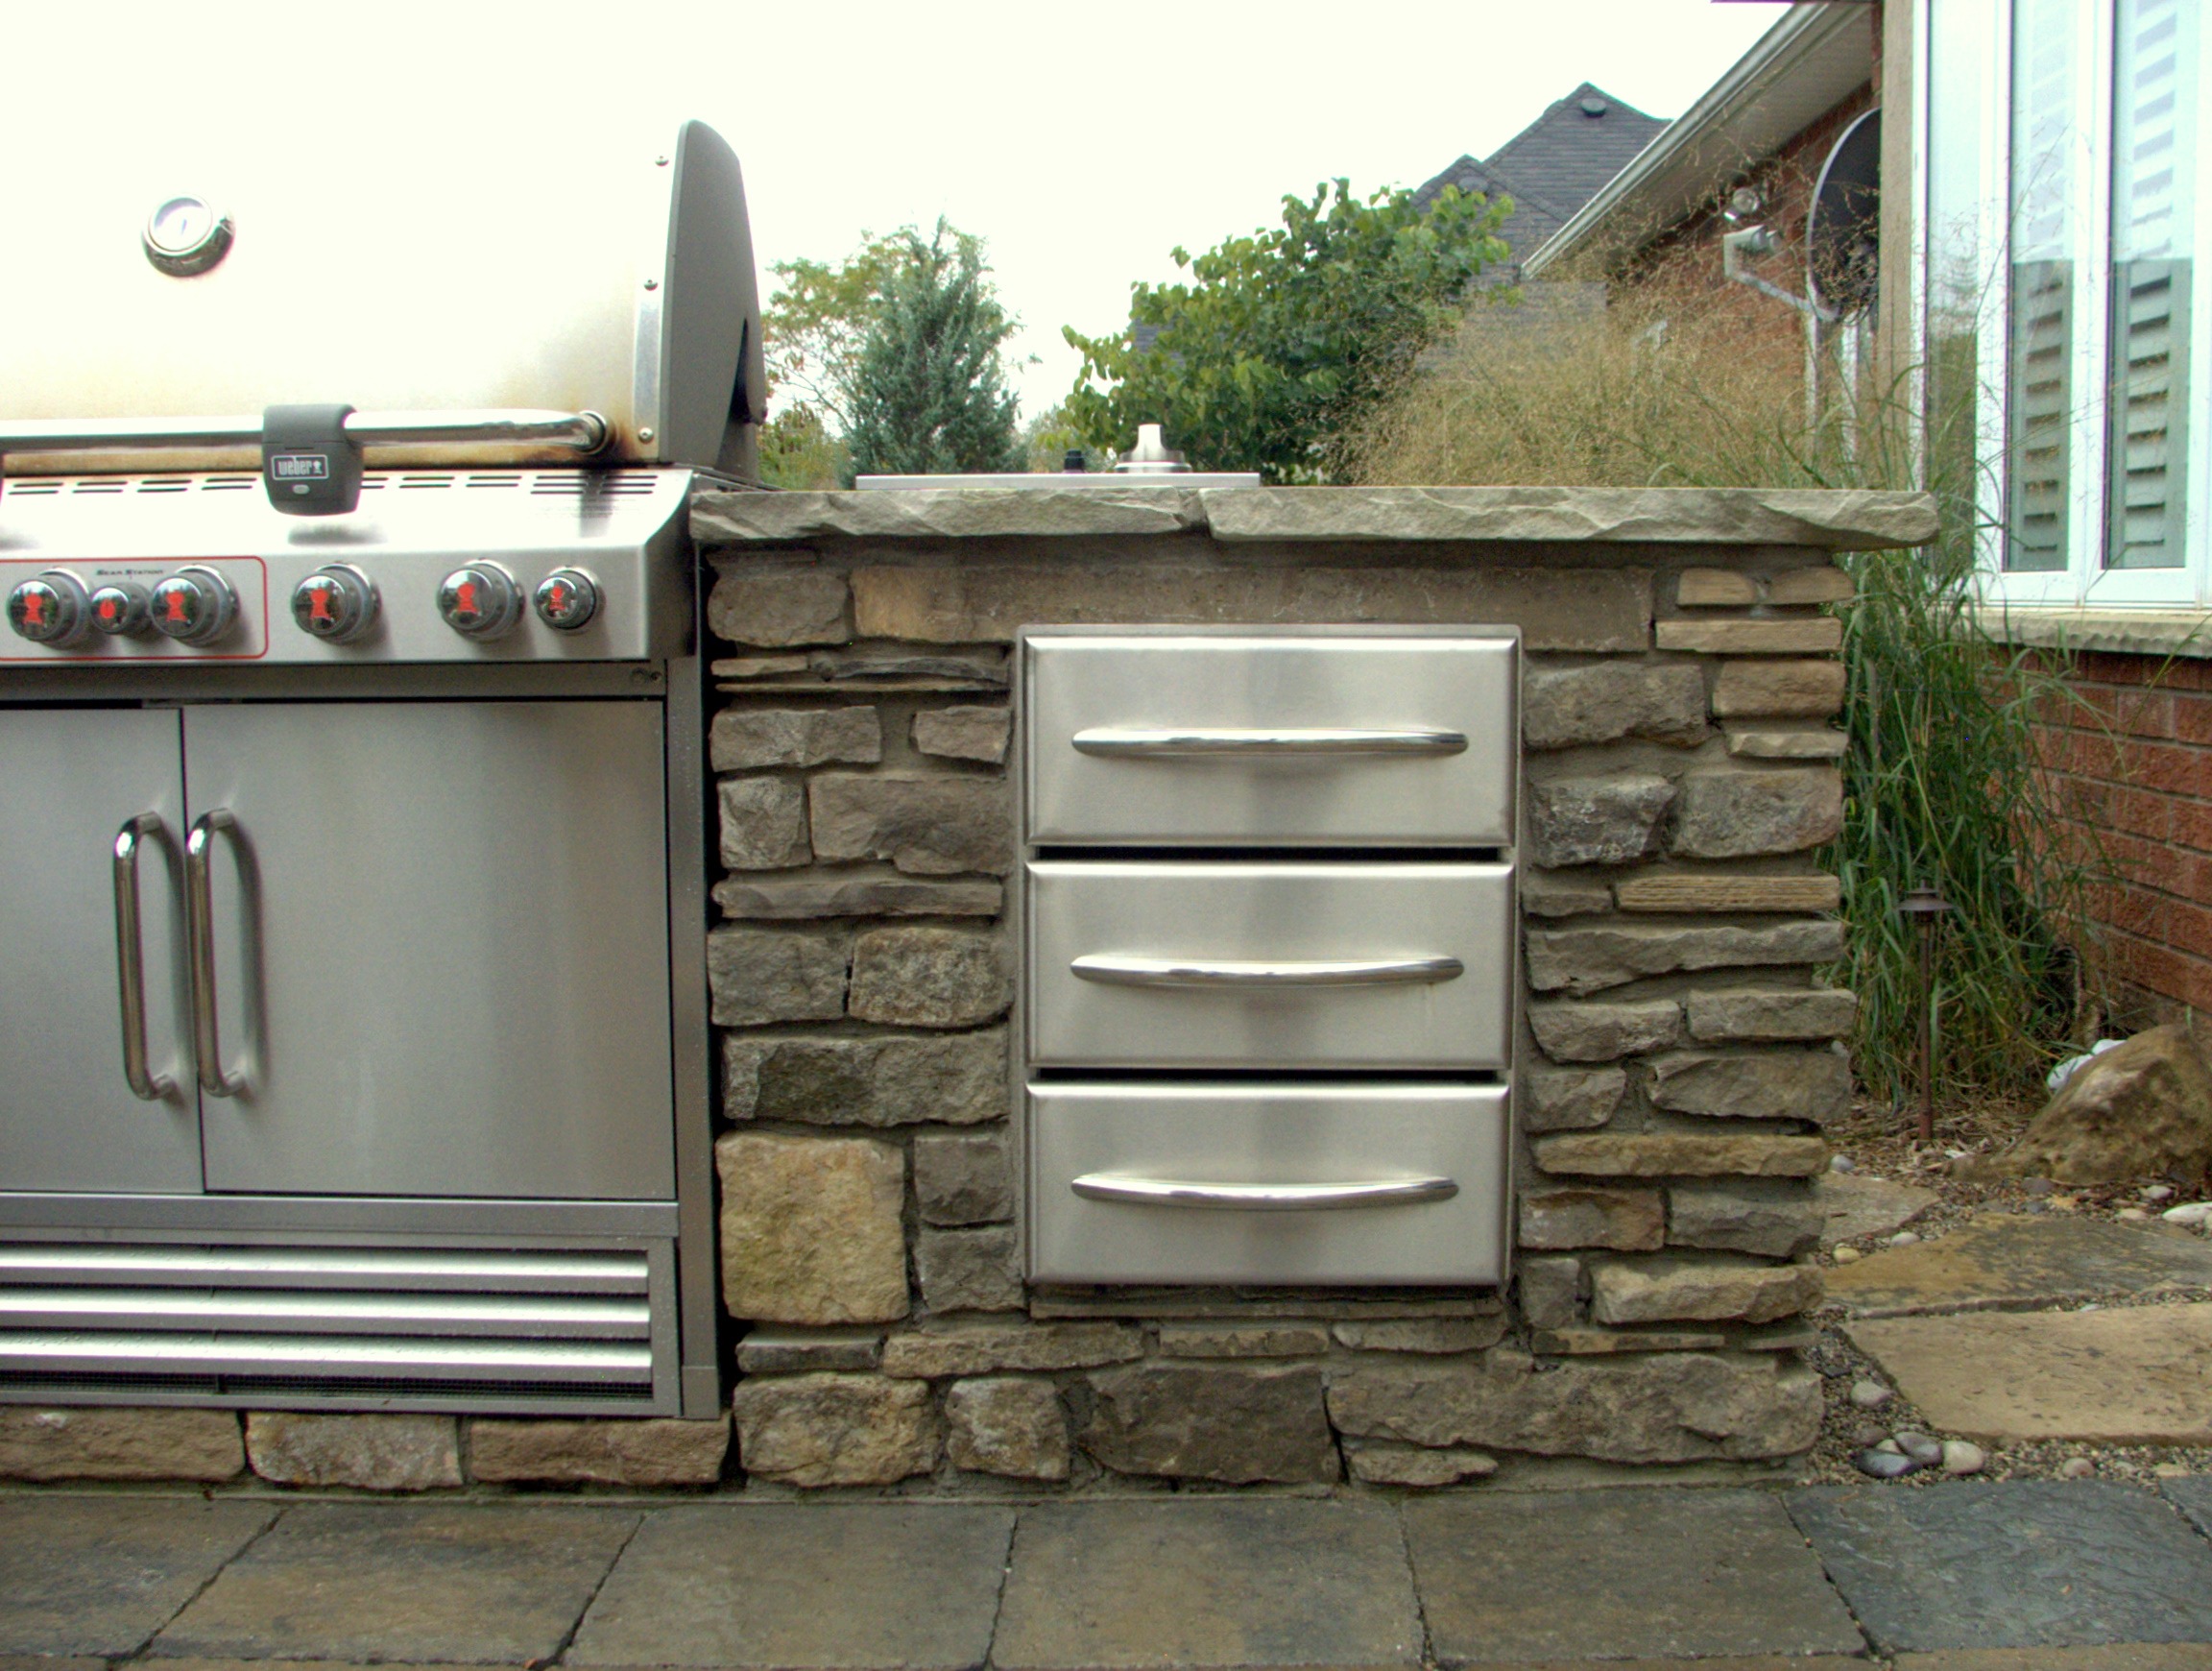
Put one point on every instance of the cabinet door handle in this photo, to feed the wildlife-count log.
(131, 962)
(1113, 970)
(198, 918)
(1305, 1198)
(1155, 742)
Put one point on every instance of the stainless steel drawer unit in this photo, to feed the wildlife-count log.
(1267, 926)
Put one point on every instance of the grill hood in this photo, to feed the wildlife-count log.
(429, 278)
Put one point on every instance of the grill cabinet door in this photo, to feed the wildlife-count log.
(69, 781)
(443, 949)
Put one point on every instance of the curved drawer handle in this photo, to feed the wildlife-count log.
(131, 962)
(1112, 970)
(1160, 1192)
(1132, 741)
(199, 927)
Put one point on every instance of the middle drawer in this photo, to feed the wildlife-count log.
(1268, 964)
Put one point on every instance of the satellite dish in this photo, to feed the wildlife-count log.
(1842, 238)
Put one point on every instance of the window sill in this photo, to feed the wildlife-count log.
(2126, 631)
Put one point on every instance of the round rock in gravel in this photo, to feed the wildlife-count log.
(1884, 1465)
(1870, 1394)
(1919, 1446)
(1962, 1457)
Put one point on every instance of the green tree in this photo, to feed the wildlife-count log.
(1285, 339)
(797, 451)
(816, 322)
(928, 392)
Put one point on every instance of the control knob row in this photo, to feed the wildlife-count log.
(484, 602)
(194, 606)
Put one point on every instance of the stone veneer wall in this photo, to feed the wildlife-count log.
(1681, 1055)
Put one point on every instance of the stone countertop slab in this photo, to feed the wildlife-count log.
(1825, 520)
(99, 1575)
(1637, 1573)
(2011, 1261)
(2132, 1375)
(2013, 1563)
(803, 1583)
(1207, 1585)
(412, 1582)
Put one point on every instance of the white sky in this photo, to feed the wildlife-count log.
(1083, 142)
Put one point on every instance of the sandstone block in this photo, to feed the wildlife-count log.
(1544, 895)
(930, 825)
(1779, 1221)
(1207, 1340)
(1803, 586)
(763, 824)
(1671, 1291)
(1600, 610)
(797, 898)
(1728, 893)
(981, 1348)
(1716, 589)
(370, 1453)
(1670, 1407)
(1212, 1422)
(1552, 1291)
(1570, 1099)
(1590, 959)
(1580, 1341)
(1766, 636)
(1798, 690)
(1432, 1335)
(811, 1230)
(1813, 1084)
(2141, 1110)
(1008, 1426)
(743, 739)
(866, 1079)
(927, 977)
(1607, 820)
(1744, 1015)
(969, 1269)
(1684, 1154)
(963, 733)
(1736, 813)
(1602, 1032)
(763, 975)
(796, 1351)
(1380, 1462)
(1626, 1220)
(653, 1452)
(726, 518)
(1565, 707)
(834, 1430)
(770, 607)
(964, 1177)
(43, 1443)
(1787, 743)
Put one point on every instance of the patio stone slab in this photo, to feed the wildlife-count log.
(99, 1575)
(2008, 1261)
(2134, 1375)
(406, 1583)
(2193, 1497)
(1639, 1573)
(1852, 1205)
(2118, 1657)
(803, 1585)
(2012, 1564)
(1208, 1583)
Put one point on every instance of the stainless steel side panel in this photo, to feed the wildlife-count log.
(1297, 965)
(68, 1120)
(1337, 1136)
(443, 948)
(1286, 714)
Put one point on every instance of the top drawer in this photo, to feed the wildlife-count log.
(1337, 736)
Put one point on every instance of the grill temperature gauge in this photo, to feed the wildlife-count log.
(337, 603)
(481, 601)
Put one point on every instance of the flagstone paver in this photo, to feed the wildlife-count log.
(2132, 1375)
(1638, 1573)
(2193, 1497)
(2113, 1657)
(1208, 1583)
(99, 1575)
(2006, 1261)
(2014, 1563)
(408, 1582)
(803, 1585)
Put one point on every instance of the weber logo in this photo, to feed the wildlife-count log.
(299, 467)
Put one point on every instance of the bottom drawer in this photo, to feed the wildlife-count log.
(1274, 1184)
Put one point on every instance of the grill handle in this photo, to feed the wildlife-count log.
(1159, 1192)
(200, 929)
(1145, 743)
(131, 962)
(1112, 969)
(587, 432)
